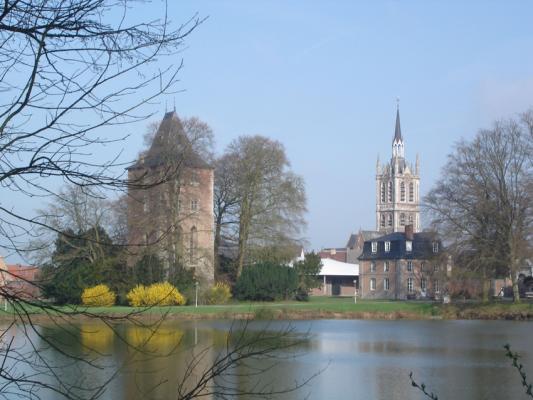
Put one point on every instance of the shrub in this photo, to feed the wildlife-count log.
(98, 296)
(266, 281)
(220, 293)
(158, 294)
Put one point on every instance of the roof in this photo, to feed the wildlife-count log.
(171, 144)
(332, 267)
(365, 235)
(24, 272)
(398, 129)
(422, 247)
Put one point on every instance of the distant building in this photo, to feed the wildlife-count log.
(403, 265)
(20, 280)
(337, 278)
(170, 203)
(397, 189)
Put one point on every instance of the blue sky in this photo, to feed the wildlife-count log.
(322, 77)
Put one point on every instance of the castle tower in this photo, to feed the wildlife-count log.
(397, 189)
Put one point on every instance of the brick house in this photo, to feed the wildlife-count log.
(19, 279)
(170, 203)
(402, 265)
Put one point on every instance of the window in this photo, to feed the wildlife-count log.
(374, 247)
(386, 266)
(382, 220)
(408, 246)
(372, 283)
(411, 192)
(372, 266)
(402, 219)
(194, 205)
(193, 245)
(435, 247)
(411, 219)
(423, 284)
(390, 192)
(386, 284)
(383, 192)
(436, 286)
(410, 285)
(390, 219)
(387, 246)
(402, 191)
(410, 266)
(435, 268)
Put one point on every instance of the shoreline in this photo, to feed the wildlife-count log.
(314, 310)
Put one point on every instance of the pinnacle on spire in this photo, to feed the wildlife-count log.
(398, 130)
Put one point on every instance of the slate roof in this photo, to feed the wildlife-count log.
(398, 129)
(422, 247)
(170, 144)
(367, 235)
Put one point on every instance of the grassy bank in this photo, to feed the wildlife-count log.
(325, 307)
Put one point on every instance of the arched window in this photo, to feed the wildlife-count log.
(383, 192)
(411, 192)
(390, 192)
(402, 191)
(382, 220)
(193, 245)
(402, 219)
(390, 220)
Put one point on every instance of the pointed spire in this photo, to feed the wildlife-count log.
(398, 130)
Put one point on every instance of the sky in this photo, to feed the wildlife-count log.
(322, 77)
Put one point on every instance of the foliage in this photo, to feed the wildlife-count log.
(266, 281)
(219, 293)
(157, 294)
(98, 296)
(148, 270)
(307, 271)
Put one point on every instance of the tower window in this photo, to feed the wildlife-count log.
(390, 220)
(382, 220)
(402, 191)
(402, 219)
(383, 192)
(194, 205)
(411, 192)
(411, 219)
(390, 192)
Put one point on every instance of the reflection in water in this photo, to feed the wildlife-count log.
(363, 359)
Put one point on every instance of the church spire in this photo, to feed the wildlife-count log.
(398, 129)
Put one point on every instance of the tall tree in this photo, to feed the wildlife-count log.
(270, 199)
(482, 203)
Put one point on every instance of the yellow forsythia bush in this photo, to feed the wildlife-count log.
(158, 294)
(220, 293)
(98, 296)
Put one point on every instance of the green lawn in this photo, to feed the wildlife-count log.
(328, 307)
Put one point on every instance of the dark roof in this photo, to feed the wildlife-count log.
(398, 129)
(351, 241)
(422, 247)
(170, 144)
(367, 235)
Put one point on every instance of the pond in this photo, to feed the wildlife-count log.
(348, 359)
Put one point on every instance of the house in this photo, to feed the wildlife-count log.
(19, 280)
(338, 278)
(403, 265)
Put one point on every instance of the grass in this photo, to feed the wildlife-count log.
(328, 307)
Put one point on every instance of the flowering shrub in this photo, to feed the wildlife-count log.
(220, 293)
(158, 294)
(98, 296)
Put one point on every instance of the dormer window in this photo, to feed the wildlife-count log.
(387, 247)
(408, 246)
(374, 247)
(435, 247)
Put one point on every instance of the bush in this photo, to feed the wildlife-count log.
(98, 296)
(158, 294)
(268, 282)
(220, 293)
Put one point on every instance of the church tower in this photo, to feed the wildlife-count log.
(397, 189)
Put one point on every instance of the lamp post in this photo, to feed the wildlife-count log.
(355, 291)
(196, 294)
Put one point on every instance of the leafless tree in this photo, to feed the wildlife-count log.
(482, 203)
(270, 200)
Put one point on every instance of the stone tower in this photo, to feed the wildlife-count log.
(397, 189)
(170, 203)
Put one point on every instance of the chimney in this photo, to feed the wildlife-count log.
(409, 232)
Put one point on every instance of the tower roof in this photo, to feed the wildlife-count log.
(398, 129)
